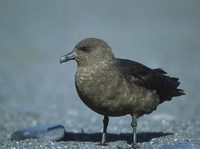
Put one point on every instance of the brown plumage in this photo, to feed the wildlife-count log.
(153, 79)
(115, 87)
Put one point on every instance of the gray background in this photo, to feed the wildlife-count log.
(36, 89)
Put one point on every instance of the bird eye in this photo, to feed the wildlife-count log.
(84, 49)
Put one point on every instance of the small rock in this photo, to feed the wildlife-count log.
(43, 132)
(184, 145)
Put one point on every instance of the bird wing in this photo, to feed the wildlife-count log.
(153, 79)
(138, 73)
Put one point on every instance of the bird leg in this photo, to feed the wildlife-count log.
(105, 125)
(134, 126)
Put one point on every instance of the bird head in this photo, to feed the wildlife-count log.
(90, 51)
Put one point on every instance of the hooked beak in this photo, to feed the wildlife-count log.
(67, 57)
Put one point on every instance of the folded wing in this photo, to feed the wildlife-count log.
(152, 79)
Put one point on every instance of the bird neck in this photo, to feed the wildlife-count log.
(99, 65)
(97, 62)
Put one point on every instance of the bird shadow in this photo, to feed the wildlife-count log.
(96, 137)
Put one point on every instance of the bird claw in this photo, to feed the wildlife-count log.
(135, 146)
(102, 144)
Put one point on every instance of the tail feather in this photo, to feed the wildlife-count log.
(172, 89)
(179, 92)
(173, 82)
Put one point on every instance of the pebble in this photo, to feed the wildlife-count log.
(184, 145)
(43, 132)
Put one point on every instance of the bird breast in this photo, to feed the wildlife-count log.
(97, 82)
(101, 89)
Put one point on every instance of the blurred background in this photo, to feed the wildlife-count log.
(35, 88)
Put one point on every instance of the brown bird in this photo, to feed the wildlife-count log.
(112, 86)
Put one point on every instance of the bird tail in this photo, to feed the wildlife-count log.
(173, 89)
(174, 83)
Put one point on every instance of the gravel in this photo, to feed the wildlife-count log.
(154, 131)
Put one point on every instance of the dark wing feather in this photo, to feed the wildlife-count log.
(153, 79)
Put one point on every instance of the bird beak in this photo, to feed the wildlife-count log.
(67, 57)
